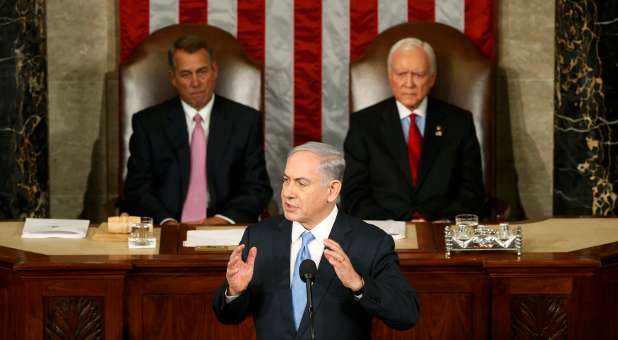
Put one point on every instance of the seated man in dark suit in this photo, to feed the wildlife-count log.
(412, 156)
(196, 158)
(357, 278)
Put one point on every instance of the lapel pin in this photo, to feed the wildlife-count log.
(438, 131)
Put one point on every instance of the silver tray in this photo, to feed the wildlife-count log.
(482, 238)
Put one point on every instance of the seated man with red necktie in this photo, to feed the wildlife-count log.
(411, 156)
(196, 158)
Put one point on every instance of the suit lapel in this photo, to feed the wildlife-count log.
(432, 140)
(393, 138)
(218, 135)
(281, 261)
(326, 273)
(179, 139)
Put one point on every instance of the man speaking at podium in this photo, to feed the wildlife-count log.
(358, 275)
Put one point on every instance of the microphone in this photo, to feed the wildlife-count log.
(307, 270)
(307, 273)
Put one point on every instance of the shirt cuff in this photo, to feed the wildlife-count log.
(230, 298)
(226, 218)
(359, 294)
(167, 220)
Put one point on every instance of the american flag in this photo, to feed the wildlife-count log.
(305, 47)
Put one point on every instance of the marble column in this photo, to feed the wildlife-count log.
(586, 108)
(23, 110)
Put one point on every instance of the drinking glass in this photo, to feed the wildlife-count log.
(142, 234)
(466, 223)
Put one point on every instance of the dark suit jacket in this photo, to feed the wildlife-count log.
(158, 168)
(377, 184)
(337, 313)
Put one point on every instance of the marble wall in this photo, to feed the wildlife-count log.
(23, 110)
(586, 175)
(82, 46)
(524, 121)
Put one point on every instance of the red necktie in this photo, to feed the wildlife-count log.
(415, 141)
(194, 208)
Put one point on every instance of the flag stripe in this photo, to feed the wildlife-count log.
(307, 71)
(134, 25)
(451, 12)
(363, 25)
(192, 11)
(251, 32)
(222, 13)
(251, 28)
(279, 92)
(421, 10)
(391, 13)
(479, 25)
(163, 13)
(335, 56)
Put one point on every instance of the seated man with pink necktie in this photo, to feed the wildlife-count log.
(197, 158)
(411, 156)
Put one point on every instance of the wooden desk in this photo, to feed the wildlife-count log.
(168, 295)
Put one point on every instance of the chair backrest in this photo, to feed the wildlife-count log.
(144, 78)
(465, 79)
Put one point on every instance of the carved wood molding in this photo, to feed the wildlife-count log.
(75, 317)
(539, 317)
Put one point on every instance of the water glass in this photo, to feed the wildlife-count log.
(142, 234)
(468, 220)
(466, 223)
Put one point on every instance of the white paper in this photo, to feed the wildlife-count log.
(46, 228)
(214, 237)
(397, 229)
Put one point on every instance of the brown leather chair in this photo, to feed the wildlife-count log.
(144, 77)
(465, 79)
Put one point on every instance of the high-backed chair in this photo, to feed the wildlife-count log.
(144, 77)
(465, 78)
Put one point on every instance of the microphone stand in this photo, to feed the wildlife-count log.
(309, 284)
(307, 273)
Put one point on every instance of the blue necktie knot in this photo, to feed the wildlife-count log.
(307, 237)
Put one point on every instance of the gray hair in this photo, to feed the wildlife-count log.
(408, 44)
(332, 163)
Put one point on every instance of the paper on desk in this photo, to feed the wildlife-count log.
(397, 229)
(46, 228)
(214, 237)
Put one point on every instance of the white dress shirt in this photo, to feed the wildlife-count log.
(316, 247)
(205, 113)
(419, 119)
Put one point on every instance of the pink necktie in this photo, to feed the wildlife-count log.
(195, 205)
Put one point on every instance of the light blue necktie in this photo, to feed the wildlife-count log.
(299, 289)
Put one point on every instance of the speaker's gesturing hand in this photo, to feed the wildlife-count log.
(343, 267)
(239, 272)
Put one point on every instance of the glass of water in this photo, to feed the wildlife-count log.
(142, 234)
(466, 223)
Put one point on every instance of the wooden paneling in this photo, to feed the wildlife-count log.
(609, 303)
(5, 326)
(178, 306)
(55, 299)
(169, 296)
(174, 316)
(73, 318)
(539, 317)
